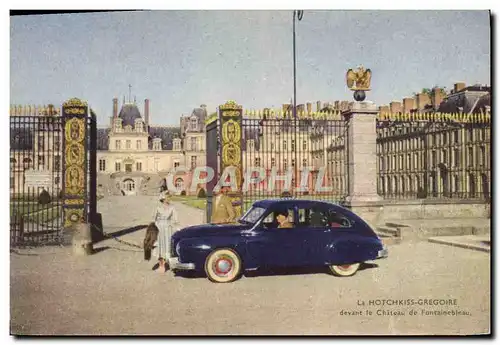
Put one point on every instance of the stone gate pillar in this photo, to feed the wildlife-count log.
(362, 162)
(74, 113)
(230, 120)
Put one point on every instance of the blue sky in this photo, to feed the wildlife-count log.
(181, 59)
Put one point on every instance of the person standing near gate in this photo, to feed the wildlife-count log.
(222, 209)
(165, 218)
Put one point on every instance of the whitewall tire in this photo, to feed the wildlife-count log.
(223, 266)
(344, 270)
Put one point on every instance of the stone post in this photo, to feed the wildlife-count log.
(362, 162)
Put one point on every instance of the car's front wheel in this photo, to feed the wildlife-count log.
(344, 270)
(223, 266)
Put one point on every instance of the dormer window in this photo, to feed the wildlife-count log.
(117, 124)
(138, 125)
(193, 124)
(177, 144)
(128, 128)
(157, 144)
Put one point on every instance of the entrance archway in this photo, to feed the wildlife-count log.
(129, 187)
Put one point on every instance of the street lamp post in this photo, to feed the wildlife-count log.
(298, 15)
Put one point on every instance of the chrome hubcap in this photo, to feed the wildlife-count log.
(223, 266)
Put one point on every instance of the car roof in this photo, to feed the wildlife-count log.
(307, 203)
(266, 203)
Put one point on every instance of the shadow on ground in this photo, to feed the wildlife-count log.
(123, 232)
(276, 271)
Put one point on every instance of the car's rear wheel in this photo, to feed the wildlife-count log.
(344, 270)
(223, 266)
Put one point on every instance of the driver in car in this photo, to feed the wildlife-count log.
(282, 219)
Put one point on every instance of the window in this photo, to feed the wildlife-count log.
(304, 145)
(12, 181)
(319, 217)
(57, 179)
(128, 144)
(128, 167)
(102, 165)
(41, 145)
(138, 166)
(139, 145)
(293, 162)
(118, 144)
(285, 164)
(176, 164)
(273, 162)
(284, 144)
(272, 146)
(26, 162)
(257, 162)
(470, 156)
(270, 220)
(57, 163)
(194, 145)
(456, 159)
(194, 123)
(129, 185)
(41, 161)
(118, 166)
(293, 145)
(253, 215)
(193, 162)
(57, 144)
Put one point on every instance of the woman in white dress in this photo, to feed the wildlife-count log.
(165, 218)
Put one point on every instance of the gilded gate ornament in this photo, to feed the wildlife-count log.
(75, 154)
(231, 132)
(75, 129)
(75, 180)
(359, 79)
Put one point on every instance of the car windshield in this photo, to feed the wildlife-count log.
(252, 215)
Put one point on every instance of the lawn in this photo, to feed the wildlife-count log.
(34, 212)
(193, 201)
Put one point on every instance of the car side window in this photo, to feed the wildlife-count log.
(270, 221)
(338, 220)
(315, 217)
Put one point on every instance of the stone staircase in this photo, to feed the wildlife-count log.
(394, 232)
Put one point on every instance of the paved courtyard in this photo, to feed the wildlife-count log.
(115, 292)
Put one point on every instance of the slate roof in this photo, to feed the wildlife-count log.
(129, 113)
(167, 134)
(466, 101)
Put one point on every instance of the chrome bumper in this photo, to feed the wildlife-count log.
(382, 253)
(176, 265)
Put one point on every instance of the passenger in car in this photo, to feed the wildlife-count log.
(282, 219)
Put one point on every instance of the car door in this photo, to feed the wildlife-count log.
(278, 247)
(312, 220)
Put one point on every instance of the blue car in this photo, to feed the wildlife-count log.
(278, 233)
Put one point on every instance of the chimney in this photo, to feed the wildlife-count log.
(318, 106)
(337, 105)
(457, 87)
(408, 105)
(309, 107)
(422, 100)
(146, 112)
(383, 109)
(437, 97)
(115, 107)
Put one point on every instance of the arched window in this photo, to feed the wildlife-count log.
(129, 185)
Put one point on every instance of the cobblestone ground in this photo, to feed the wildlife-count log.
(115, 292)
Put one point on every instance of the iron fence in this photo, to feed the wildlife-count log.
(35, 178)
(434, 156)
(310, 151)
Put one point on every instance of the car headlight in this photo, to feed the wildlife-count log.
(177, 248)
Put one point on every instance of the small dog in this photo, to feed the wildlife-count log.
(149, 240)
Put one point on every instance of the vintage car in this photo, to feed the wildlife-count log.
(321, 233)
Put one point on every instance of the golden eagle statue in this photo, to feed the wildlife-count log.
(359, 80)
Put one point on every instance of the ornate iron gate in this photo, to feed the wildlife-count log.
(52, 171)
(310, 150)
